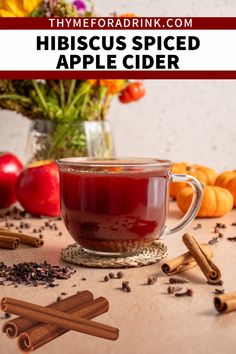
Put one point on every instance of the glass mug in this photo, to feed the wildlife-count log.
(117, 206)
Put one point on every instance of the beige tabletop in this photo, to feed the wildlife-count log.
(150, 320)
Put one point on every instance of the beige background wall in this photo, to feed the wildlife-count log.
(180, 120)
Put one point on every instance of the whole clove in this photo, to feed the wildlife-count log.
(233, 223)
(173, 289)
(125, 287)
(213, 240)
(220, 225)
(178, 280)
(220, 282)
(188, 292)
(219, 291)
(198, 226)
(231, 238)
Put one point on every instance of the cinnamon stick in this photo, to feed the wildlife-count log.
(24, 238)
(13, 328)
(209, 269)
(53, 316)
(225, 303)
(40, 335)
(10, 243)
(184, 261)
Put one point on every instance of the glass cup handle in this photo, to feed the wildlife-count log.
(195, 205)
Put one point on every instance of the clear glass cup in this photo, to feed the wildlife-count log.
(117, 206)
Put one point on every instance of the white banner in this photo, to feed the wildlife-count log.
(117, 50)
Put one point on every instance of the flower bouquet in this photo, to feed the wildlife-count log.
(62, 109)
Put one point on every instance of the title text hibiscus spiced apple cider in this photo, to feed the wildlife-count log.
(103, 52)
(118, 205)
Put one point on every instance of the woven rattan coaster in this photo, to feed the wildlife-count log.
(149, 255)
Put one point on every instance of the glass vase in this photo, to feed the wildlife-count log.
(50, 140)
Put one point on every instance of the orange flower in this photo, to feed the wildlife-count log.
(128, 15)
(114, 86)
(93, 82)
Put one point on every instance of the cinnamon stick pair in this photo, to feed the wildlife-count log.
(10, 243)
(199, 254)
(183, 262)
(74, 313)
(9, 238)
(225, 303)
(209, 269)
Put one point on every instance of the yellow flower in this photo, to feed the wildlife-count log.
(18, 8)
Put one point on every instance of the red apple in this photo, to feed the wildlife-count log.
(37, 188)
(10, 167)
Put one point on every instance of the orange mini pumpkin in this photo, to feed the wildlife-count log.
(178, 167)
(228, 180)
(216, 201)
(204, 174)
(208, 172)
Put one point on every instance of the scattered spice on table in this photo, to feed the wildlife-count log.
(173, 289)
(188, 292)
(233, 223)
(120, 275)
(152, 279)
(34, 274)
(178, 280)
(111, 275)
(213, 240)
(106, 278)
(83, 278)
(231, 238)
(125, 287)
(219, 291)
(198, 226)
(220, 225)
(220, 282)
(7, 315)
